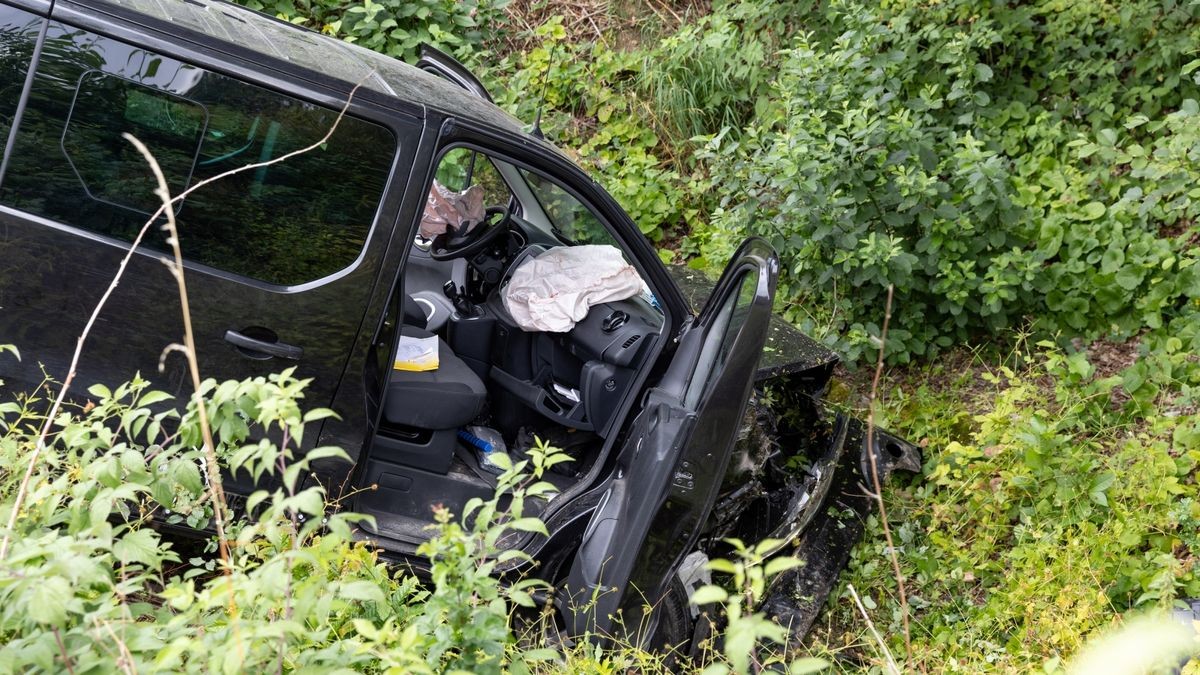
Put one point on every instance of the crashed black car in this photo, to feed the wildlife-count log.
(413, 228)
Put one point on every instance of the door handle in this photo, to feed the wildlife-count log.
(256, 348)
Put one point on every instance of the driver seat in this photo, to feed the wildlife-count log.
(424, 410)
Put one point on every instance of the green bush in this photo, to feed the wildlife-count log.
(396, 27)
(944, 151)
(588, 114)
(88, 584)
(1058, 499)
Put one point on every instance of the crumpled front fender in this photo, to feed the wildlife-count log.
(796, 597)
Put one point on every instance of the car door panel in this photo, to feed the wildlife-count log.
(670, 469)
(57, 229)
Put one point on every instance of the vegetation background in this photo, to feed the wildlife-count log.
(1024, 175)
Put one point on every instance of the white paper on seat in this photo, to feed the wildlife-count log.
(555, 290)
(416, 354)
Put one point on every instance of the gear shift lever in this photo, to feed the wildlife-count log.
(458, 298)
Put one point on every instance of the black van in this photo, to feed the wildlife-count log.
(318, 262)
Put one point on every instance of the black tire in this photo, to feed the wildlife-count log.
(673, 635)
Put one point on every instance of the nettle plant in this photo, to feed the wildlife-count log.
(90, 582)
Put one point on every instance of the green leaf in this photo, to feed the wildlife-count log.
(325, 452)
(187, 474)
(319, 414)
(707, 595)
(48, 601)
(778, 565)
(540, 654)
(310, 501)
(501, 460)
(152, 397)
(808, 665)
(530, 525)
(138, 546)
(366, 629)
(722, 565)
(360, 590)
(521, 598)
(1091, 211)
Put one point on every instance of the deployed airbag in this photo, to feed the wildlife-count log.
(446, 209)
(554, 290)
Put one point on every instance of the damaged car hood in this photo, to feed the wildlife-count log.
(788, 349)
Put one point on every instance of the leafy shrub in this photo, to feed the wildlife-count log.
(942, 150)
(89, 584)
(1056, 497)
(396, 27)
(606, 131)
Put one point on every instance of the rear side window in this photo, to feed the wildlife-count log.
(289, 223)
(109, 168)
(18, 36)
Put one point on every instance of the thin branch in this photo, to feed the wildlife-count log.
(883, 517)
(125, 662)
(891, 662)
(62, 649)
(40, 446)
(189, 350)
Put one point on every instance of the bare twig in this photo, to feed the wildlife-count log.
(878, 494)
(62, 649)
(40, 446)
(878, 640)
(125, 661)
(189, 349)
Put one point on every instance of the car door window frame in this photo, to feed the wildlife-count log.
(382, 216)
(525, 152)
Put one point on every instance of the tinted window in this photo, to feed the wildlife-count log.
(288, 223)
(18, 35)
(109, 167)
(728, 324)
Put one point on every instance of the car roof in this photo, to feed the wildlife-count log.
(309, 52)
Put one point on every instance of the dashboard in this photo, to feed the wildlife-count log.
(576, 379)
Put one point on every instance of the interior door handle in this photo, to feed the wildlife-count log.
(251, 347)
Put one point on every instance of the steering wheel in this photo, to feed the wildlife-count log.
(451, 245)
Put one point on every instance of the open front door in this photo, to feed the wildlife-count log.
(671, 467)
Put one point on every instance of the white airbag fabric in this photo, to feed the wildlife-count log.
(445, 209)
(555, 290)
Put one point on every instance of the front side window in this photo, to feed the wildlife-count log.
(461, 168)
(287, 224)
